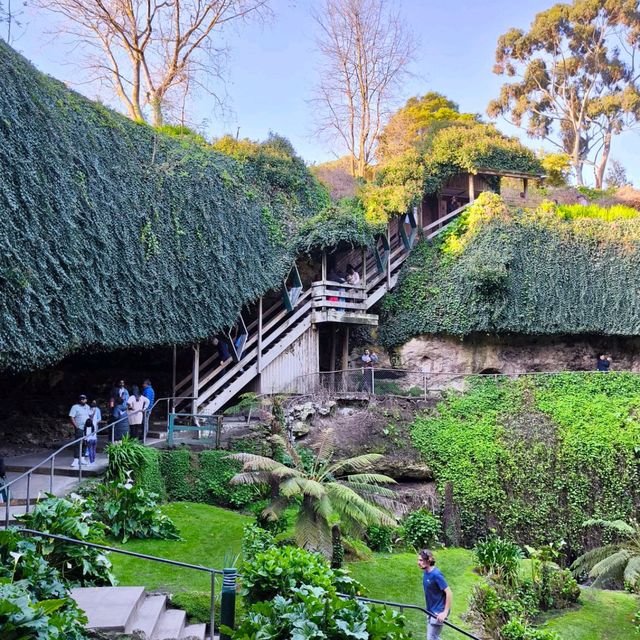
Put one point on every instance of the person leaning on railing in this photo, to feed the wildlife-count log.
(369, 359)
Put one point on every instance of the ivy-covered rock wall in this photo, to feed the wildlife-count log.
(114, 235)
(537, 456)
(504, 271)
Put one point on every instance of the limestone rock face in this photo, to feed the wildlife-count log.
(403, 469)
(517, 354)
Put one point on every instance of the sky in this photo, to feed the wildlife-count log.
(272, 68)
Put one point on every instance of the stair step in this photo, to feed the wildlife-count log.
(109, 608)
(147, 616)
(194, 632)
(170, 625)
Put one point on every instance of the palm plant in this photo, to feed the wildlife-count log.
(343, 493)
(618, 562)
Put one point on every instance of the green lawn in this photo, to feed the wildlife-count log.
(604, 615)
(212, 538)
(397, 577)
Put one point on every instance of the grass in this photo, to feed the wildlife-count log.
(397, 577)
(604, 615)
(212, 538)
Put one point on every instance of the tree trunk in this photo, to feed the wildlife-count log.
(600, 168)
(577, 161)
(157, 118)
(337, 555)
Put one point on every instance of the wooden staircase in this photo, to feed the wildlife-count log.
(215, 384)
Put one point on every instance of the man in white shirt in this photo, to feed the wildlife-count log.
(79, 414)
(136, 407)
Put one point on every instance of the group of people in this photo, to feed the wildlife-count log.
(127, 410)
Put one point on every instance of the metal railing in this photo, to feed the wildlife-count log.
(198, 423)
(51, 461)
(170, 400)
(143, 556)
(365, 382)
(401, 606)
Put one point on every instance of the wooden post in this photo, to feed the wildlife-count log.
(525, 187)
(172, 403)
(389, 260)
(472, 192)
(195, 379)
(259, 360)
(344, 361)
(364, 268)
(332, 368)
(324, 265)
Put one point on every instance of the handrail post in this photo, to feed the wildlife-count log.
(195, 378)
(172, 418)
(7, 495)
(228, 600)
(259, 355)
(28, 490)
(212, 611)
(219, 420)
(51, 473)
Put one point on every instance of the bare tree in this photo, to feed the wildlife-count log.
(366, 49)
(150, 51)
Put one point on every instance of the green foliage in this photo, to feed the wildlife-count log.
(22, 617)
(77, 564)
(421, 529)
(342, 222)
(293, 594)
(130, 512)
(556, 167)
(609, 214)
(279, 570)
(204, 477)
(537, 455)
(255, 539)
(381, 538)
(327, 493)
(616, 563)
(128, 459)
(102, 200)
(498, 557)
(197, 605)
(497, 271)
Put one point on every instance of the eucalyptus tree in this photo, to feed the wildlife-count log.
(329, 494)
(150, 52)
(365, 47)
(573, 78)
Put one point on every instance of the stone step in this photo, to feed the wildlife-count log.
(110, 609)
(38, 486)
(62, 467)
(194, 632)
(170, 625)
(146, 619)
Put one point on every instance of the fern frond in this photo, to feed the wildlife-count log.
(585, 562)
(357, 463)
(632, 571)
(370, 478)
(250, 477)
(620, 526)
(611, 568)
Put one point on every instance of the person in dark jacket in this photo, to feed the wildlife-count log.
(604, 363)
(3, 480)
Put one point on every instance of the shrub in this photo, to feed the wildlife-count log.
(77, 564)
(126, 456)
(255, 539)
(22, 617)
(499, 558)
(519, 629)
(381, 538)
(130, 512)
(421, 529)
(197, 605)
(280, 569)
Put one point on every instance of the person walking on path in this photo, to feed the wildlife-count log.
(91, 438)
(137, 406)
(437, 594)
(79, 414)
(119, 417)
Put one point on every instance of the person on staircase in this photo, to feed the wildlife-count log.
(78, 415)
(91, 438)
(119, 417)
(353, 277)
(223, 350)
(149, 393)
(137, 406)
(369, 359)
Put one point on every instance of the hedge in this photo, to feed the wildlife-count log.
(115, 235)
(204, 477)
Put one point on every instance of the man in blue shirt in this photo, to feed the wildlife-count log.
(436, 592)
